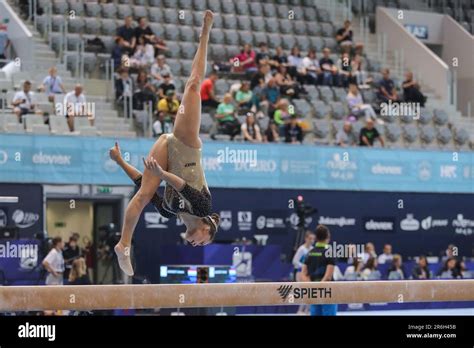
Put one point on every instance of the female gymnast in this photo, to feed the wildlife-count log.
(176, 159)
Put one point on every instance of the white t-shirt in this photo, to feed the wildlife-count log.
(310, 63)
(55, 260)
(383, 258)
(77, 102)
(28, 97)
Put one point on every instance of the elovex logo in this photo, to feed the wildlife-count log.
(287, 291)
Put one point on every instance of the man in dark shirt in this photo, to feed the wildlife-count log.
(387, 90)
(368, 134)
(70, 253)
(127, 33)
(344, 36)
(293, 132)
(143, 29)
(411, 90)
(329, 70)
(319, 267)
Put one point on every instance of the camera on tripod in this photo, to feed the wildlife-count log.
(303, 211)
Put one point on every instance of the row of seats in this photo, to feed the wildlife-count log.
(168, 10)
(97, 25)
(34, 124)
(405, 135)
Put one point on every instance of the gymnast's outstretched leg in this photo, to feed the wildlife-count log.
(188, 119)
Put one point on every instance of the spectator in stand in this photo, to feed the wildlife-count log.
(263, 56)
(450, 269)
(246, 60)
(208, 97)
(250, 129)
(4, 43)
(282, 115)
(345, 137)
(369, 252)
(330, 75)
(119, 55)
(386, 256)
(71, 252)
(78, 275)
(143, 29)
(54, 263)
(369, 134)
(263, 75)
(344, 36)
(124, 86)
(244, 97)
(370, 269)
(421, 270)
(411, 90)
(396, 271)
(225, 115)
(160, 126)
(166, 85)
(280, 57)
(287, 84)
(451, 251)
(270, 97)
(24, 102)
(293, 131)
(75, 106)
(169, 106)
(295, 61)
(158, 68)
(311, 69)
(52, 84)
(271, 133)
(344, 65)
(359, 72)
(357, 106)
(353, 269)
(387, 91)
(319, 267)
(143, 56)
(126, 33)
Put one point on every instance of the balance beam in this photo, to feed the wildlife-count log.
(91, 297)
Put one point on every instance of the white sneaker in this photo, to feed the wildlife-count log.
(380, 121)
(123, 257)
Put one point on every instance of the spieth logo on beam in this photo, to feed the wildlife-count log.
(286, 291)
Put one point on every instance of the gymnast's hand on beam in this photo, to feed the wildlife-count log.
(152, 165)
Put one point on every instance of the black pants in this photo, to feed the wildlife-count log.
(414, 95)
(209, 103)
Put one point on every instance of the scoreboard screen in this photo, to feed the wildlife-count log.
(193, 274)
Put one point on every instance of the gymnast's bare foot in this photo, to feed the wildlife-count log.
(207, 23)
(123, 256)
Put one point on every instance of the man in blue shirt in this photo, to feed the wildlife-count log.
(387, 90)
(4, 43)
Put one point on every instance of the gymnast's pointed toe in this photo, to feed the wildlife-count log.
(123, 256)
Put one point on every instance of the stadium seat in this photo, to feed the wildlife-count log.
(338, 111)
(109, 10)
(76, 25)
(274, 40)
(256, 9)
(92, 25)
(410, 133)
(321, 110)
(425, 116)
(155, 15)
(231, 37)
(393, 132)
(187, 34)
(35, 124)
(170, 16)
(339, 93)
(316, 42)
(286, 26)
(171, 32)
(58, 125)
(258, 24)
(427, 134)
(123, 11)
(299, 28)
(185, 18)
(326, 93)
(140, 11)
(228, 6)
(221, 87)
(158, 29)
(173, 50)
(185, 4)
(242, 8)
(283, 11)
(206, 123)
(440, 117)
(60, 7)
(461, 136)
(245, 37)
(303, 42)
(76, 8)
(199, 5)
(244, 23)
(109, 27)
(310, 14)
(272, 25)
(302, 108)
(260, 37)
(288, 41)
(188, 49)
(321, 128)
(444, 135)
